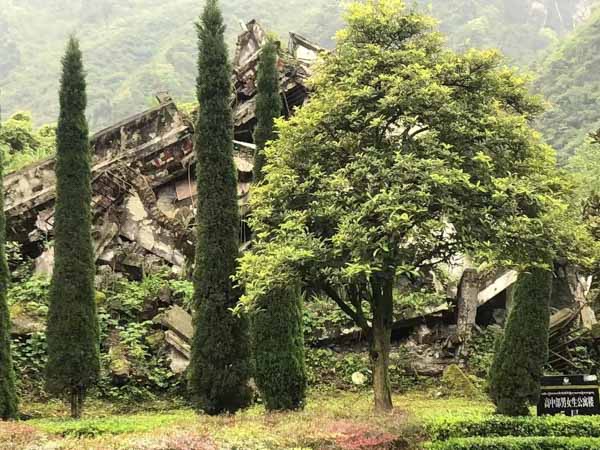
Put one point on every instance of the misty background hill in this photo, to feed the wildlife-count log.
(136, 48)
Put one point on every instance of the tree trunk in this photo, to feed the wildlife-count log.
(76, 402)
(380, 342)
(467, 308)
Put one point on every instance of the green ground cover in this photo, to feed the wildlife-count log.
(332, 420)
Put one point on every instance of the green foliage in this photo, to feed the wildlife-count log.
(72, 328)
(268, 103)
(521, 29)
(481, 351)
(219, 368)
(521, 356)
(322, 319)
(133, 48)
(21, 144)
(401, 138)
(146, 50)
(278, 341)
(456, 426)
(30, 355)
(139, 423)
(462, 430)
(277, 323)
(568, 78)
(149, 372)
(518, 443)
(123, 317)
(131, 298)
(21, 267)
(8, 395)
(328, 369)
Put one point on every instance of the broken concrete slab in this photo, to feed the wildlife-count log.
(178, 363)
(44, 263)
(178, 320)
(23, 324)
(178, 344)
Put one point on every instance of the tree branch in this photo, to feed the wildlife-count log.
(358, 318)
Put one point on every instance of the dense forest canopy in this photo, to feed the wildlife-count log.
(135, 48)
(570, 81)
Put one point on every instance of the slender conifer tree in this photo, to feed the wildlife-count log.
(277, 323)
(268, 103)
(8, 395)
(73, 332)
(280, 371)
(523, 351)
(220, 363)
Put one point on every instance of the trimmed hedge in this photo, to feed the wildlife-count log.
(499, 426)
(517, 443)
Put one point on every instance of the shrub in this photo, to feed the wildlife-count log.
(331, 369)
(278, 341)
(519, 362)
(517, 443)
(501, 426)
(481, 351)
(122, 308)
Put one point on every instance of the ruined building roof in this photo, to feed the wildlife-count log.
(143, 167)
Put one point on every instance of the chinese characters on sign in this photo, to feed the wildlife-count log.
(569, 400)
(569, 395)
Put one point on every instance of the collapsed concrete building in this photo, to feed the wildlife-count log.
(143, 177)
(143, 170)
(144, 207)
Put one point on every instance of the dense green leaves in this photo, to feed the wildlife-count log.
(407, 155)
(278, 340)
(518, 443)
(569, 80)
(520, 358)
(21, 144)
(220, 365)
(72, 331)
(277, 333)
(8, 395)
(268, 103)
(134, 48)
(401, 139)
(521, 29)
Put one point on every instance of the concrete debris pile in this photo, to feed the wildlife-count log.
(144, 192)
(143, 172)
(441, 336)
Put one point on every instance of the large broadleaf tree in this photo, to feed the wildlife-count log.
(407, 155)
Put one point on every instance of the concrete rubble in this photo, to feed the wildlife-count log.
(144, 190)
(143, 179)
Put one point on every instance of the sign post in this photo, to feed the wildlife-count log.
(570, 395)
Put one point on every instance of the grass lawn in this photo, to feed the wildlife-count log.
(337, 420)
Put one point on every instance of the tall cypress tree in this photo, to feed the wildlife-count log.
(73, 331)
(268, 103)
(521, 355)
(220, 363)
(278, 338)
(280, 372)
(8, 395)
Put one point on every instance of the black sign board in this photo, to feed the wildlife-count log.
(570, 395)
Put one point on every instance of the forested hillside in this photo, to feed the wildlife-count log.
(522, 29)
(570, 80)
(132, 48)
(135, 48)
